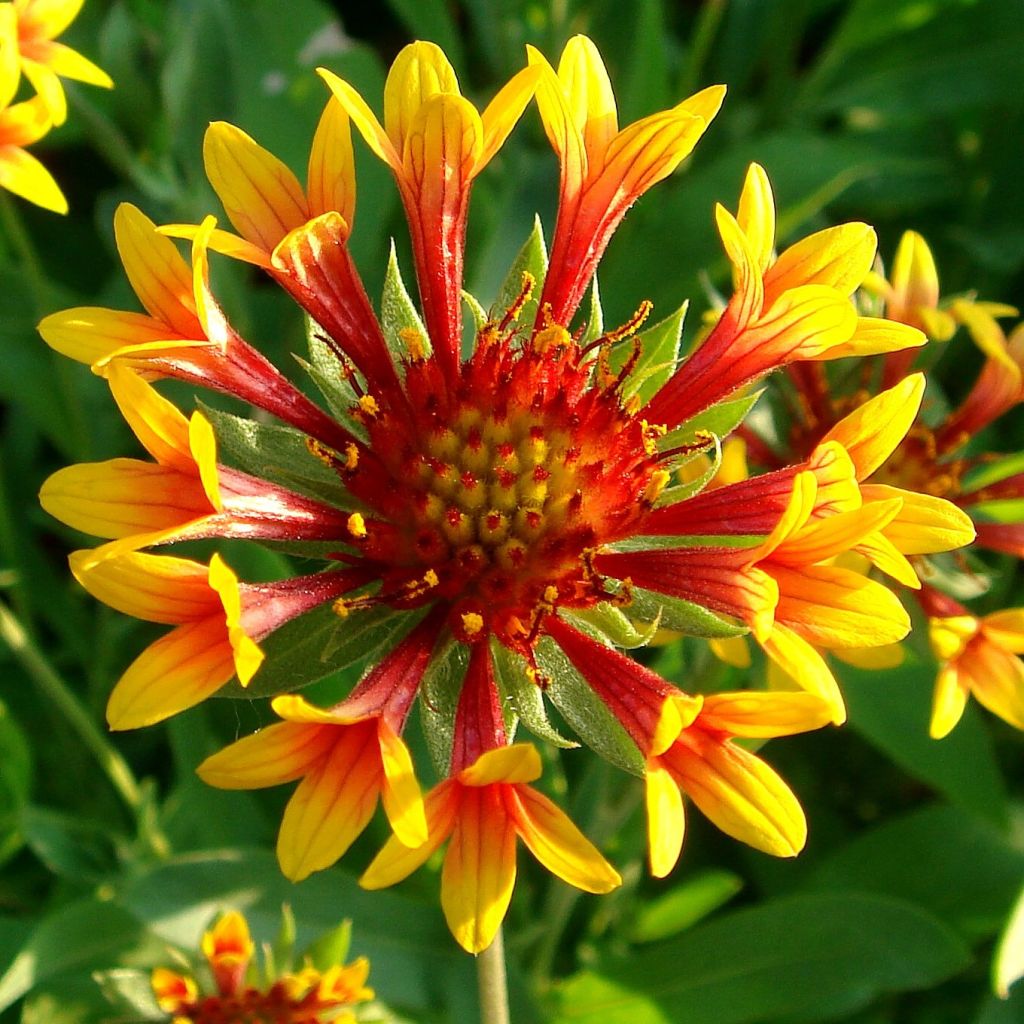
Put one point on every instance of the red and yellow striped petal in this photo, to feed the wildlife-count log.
(177, 672)
(837, 257)
(161, 429)
(764, 715)
(420, 72)
(756, 215)
(332, 805)
(282, 752)
(91, 333)
(557, 843)
(874, 336)
(739, 793)
(479, 870)
(871, 432)
(925, 524)
(590, 102)
(517, 763)
(396, 860)
(331, 175)
(123, 497)
(261, 196)
(158, 275)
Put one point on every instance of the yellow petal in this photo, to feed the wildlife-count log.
(519, 762)
(798, 510)
(756, 215)
(420, 71)
(996, 678)
(557, 843)
(748, 300)
(442, 150)
(261, 196)
(281, 752)
(589, 97)
(872, 431)
(948, 702)
(806, 667)
(874, 336)
(837, 257)
(158, 274)
(733, 650)
(248, 657)
(803, 323)
(177, 672)
(48, 89)
(871, 658)
(401, 796)
(560, 127)
(925, 524)
(1006, 628)
(396, 860)
(22, 174)
(160, 427)
(884, 555)
(157, 588)
(293, 708)
(88, 333)
(829, 536)
(122, 497)
(833, 607)
(666, 819)
(70, 63)
(742, 796)
(331, 175)
(479, 870)
(501, 114)
(223, 242)
(332, 805)
(915, 280)
(987, 334)
(363, 118)
(761, 715)
(202, 443)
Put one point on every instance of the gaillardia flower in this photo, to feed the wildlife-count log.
(507, 514)
(233, 986)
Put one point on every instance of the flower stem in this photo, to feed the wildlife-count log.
(490, 973)
(46, 678)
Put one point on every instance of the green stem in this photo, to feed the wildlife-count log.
(56, 690)
(493, 983)
(25, 252)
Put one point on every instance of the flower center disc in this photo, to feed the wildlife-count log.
(494, 490)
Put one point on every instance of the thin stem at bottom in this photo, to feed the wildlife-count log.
(490, 973)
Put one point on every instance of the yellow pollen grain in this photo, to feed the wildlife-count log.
(659, 478)
(357, 525)
(431, 578)
(351, 456)
(551, 337)
(651, 432)
(413, 341)
(340, 608)
(368, 405)
(551, 593)
(472, 623)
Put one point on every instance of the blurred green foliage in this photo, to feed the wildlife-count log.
(904, 113)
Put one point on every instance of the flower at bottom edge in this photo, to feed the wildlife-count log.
(480, 811)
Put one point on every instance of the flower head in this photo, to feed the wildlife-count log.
(512, 511)
(242, 990)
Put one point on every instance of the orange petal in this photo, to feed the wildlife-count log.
(281, 752)
(89, 333)
(160, 427)
(763, 715)
(666, 819)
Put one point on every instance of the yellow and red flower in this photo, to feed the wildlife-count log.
(500, 505)
(245, 992)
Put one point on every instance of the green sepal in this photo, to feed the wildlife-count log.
(439, 699)
(331, 948)
(130, 993)
(988, 473)
(523, 697)
(660, 542)
(720, 419)
(595, 321)
(673, 495)
(277, 454)
(532, 259)
(398, 311)
(477, 311)
(659, 353)
(610, 620)
(681, 616)
(279, 955)
(585, 711)
(325, 370)
(318, 644)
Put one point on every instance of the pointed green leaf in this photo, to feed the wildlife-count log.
(680, 616)
(684, 905)
(524, 696)
(595, 319)
(659, 352)
(585, 711)
(532, 259)
(318, 644)
(398, 312)
(619, 629)
(477, 311)
(275, 453)
(325, 370)
(720, 419)
(331, 948)
(439, 698)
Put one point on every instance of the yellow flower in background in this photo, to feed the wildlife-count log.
(243, 990)
(22, 124)
(44, 61)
